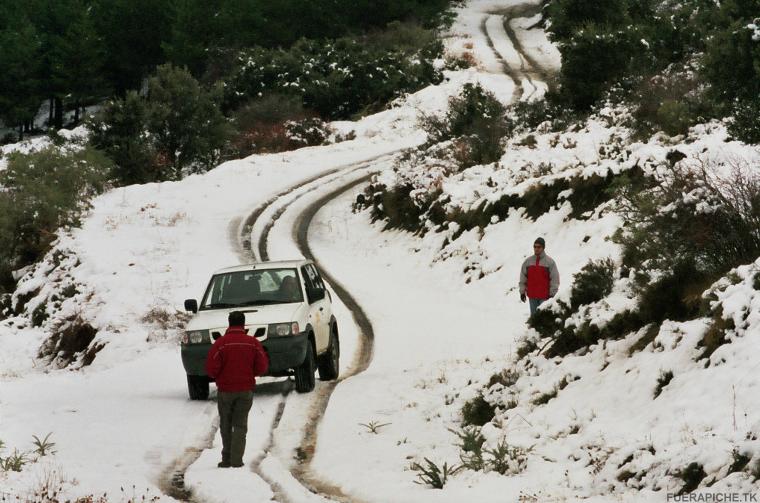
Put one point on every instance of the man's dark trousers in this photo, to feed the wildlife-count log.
(233, 424)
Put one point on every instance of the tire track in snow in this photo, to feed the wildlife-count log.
(321, 396)
(532, 68)
(172, 478)
(246, 251)
(512, 74)
(362, 358)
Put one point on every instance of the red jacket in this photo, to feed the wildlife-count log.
(235, 360)
(539, 277)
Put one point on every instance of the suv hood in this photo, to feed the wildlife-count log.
(254, 315)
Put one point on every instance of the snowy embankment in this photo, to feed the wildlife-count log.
(595, 425)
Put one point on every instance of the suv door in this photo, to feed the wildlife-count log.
(319, 306)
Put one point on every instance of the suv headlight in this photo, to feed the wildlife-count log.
(282, 329)
(196, 337)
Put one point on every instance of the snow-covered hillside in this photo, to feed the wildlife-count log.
(101, 371)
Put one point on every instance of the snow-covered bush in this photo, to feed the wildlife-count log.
(477, 411)
(43, 191)
(745, 122)
(308, 132)
(592, 283)
(475, 122)
(335, 78)
(704, 211)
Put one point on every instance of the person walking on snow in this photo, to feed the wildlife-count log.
(539, 277)
(234, 361)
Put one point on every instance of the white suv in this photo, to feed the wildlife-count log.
(286, 307)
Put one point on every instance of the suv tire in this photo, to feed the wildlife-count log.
(304, 373)
(197, 386)
(329, 362)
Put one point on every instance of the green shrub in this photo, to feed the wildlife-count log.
(337, 78)
(477, 412)
(592, 59)
(570, 16)
(548, 322)
(662, 381)
(649, 336)
(676, 296)
(307, 132)
(120, 131)
(506, 378)
(177, 128)
(715, 335)
(744, 123)
(44, 191)
(433, 475)
(399, 209)
(261, 125)
(544, 398)
(39, 315)
(592, 283)
(712, 221)
(692, 476)
(528, 115)
(477, 120)
(732, 59)
(506, 459)
(673, 117)
(471, 447)
(740, 460)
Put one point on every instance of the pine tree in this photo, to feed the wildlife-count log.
(77, 63)
(132, 32)
(19, 86)
(185, 122)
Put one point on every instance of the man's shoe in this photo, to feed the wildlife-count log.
(223, 464)
(235, 465)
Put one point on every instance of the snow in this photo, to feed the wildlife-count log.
(445, 312)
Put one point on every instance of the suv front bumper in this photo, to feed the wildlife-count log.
(285, 353)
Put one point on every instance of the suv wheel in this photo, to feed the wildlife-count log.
(305, 372)
(329, 363)
(198, 387)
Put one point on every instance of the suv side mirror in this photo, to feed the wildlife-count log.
(315, 294)
(191, 305)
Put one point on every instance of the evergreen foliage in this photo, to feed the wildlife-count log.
(336, 79)
(121, 132)
(592, 283)
(177, 128)
(20, 87)
(476, 119)
(44, 190)
(184, 121)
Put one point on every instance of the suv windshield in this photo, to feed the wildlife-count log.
(252, 288)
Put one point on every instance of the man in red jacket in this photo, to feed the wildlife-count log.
(233, 362)
(539, 277)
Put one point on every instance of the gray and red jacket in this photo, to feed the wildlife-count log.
(235, 360)
(539, 277)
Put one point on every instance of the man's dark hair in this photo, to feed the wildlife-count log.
(236, 319)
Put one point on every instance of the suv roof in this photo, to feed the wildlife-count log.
(275, 264)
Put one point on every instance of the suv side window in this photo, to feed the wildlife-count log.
(316, 278)
(315, 289)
